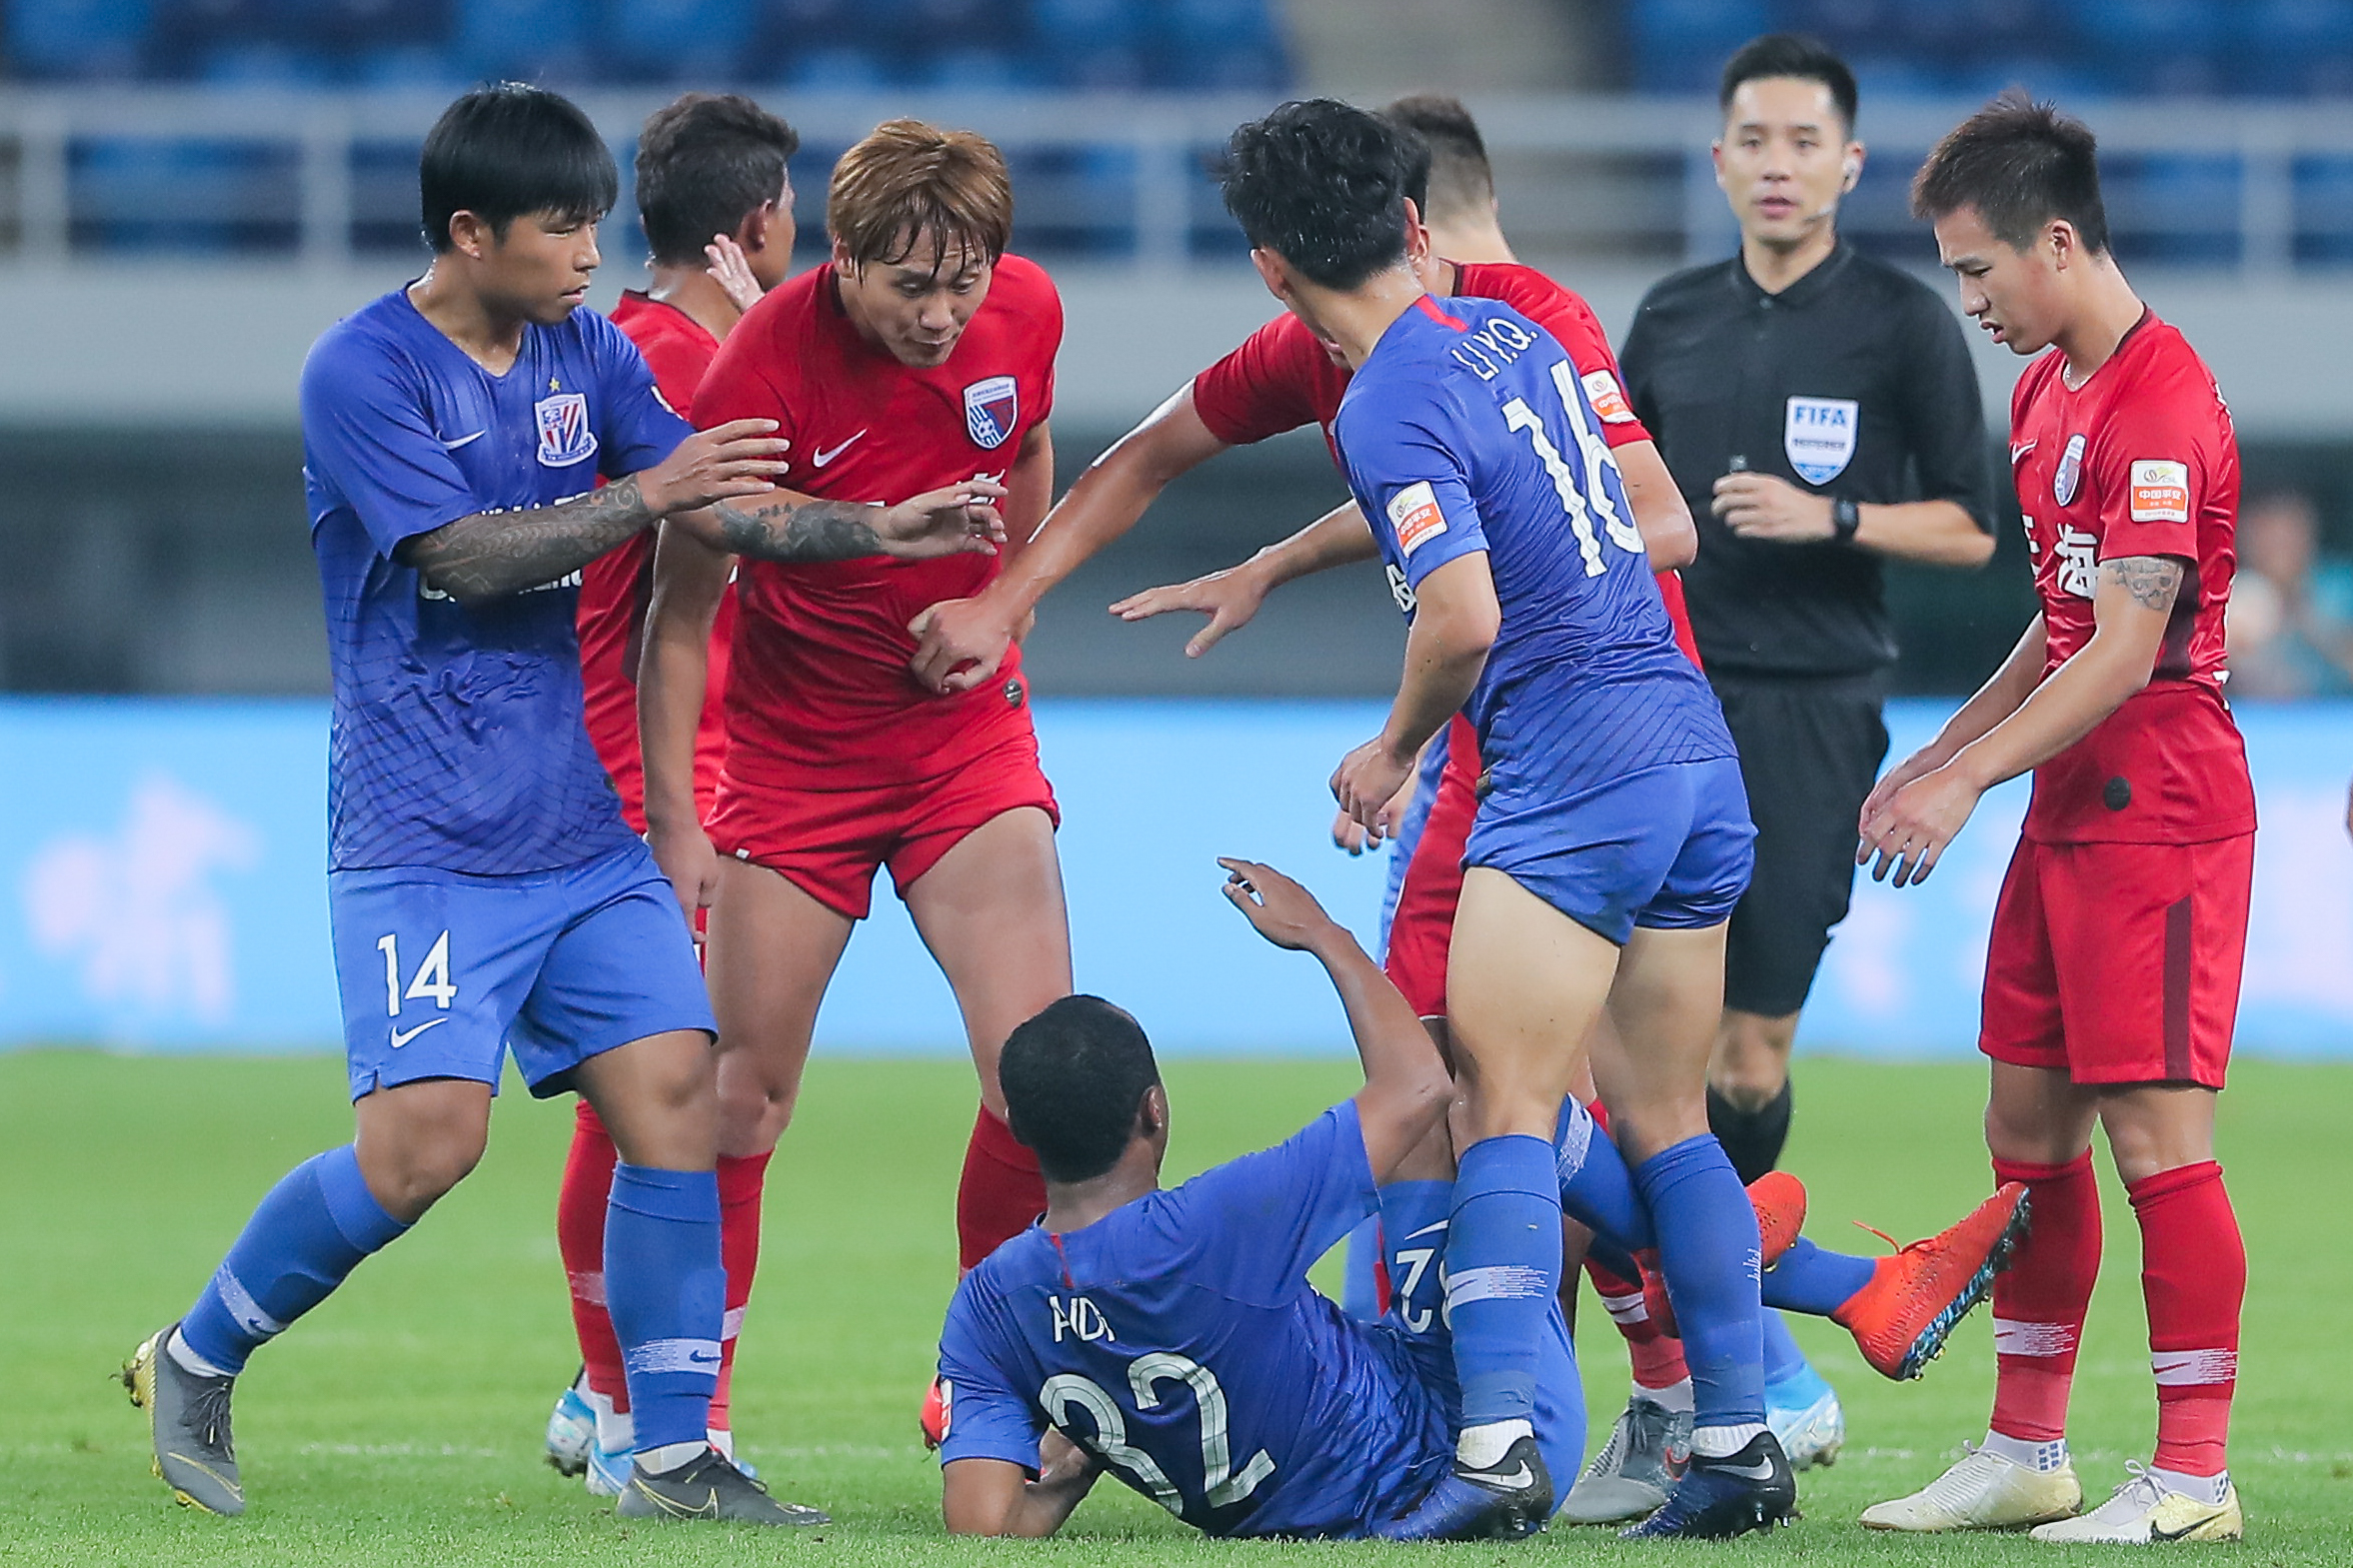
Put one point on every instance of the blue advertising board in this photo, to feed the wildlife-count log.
(161, 888)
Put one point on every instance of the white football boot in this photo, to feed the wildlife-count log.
(2145, 1510)
(1983, 1491)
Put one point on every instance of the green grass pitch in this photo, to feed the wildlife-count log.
(401, 1422)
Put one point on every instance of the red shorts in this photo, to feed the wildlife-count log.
(2119, 963)
(829, 842)
(1422, 926)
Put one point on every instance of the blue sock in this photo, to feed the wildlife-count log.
(309, 1232)
(1707, 1247)
(1413, 1228)
(1597, 1189)
(1811, 1279)
(1503, 1266)
(1783, 1359)
(666, 1293)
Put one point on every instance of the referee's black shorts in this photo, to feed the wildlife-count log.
(1811, 749)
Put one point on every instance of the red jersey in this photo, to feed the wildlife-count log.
(2140, 460)
(820, 680)
(1282, 378)
(616, 586)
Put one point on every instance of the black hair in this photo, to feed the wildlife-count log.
(1791, 54)
(704, 164)
(1073, 1079)
(1457, 176)
(1323, 186)
(510, 149)
(2020, 164)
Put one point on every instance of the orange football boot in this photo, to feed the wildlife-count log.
(1900, 1320)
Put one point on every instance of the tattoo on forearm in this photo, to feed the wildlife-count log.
(801, 531)
(2152, 581)
(493, 554)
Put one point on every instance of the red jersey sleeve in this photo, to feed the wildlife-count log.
(1268, 386)
(1565, 314)
(2152, 470)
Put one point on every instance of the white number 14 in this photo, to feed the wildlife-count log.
(431, 981)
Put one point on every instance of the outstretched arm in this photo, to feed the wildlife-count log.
(994, 1497)
(1406, 1087)
(1456, 620)
(964, 640)
(1232, 595)
(789, 527)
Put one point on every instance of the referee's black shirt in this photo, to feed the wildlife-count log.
(1718, 368)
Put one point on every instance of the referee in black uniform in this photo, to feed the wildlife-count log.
(1819, 413)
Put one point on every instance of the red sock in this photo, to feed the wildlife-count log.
(580, 1237)
(1657, 1356)
(2039, 1301)
(1000, 1194)
(741, 1178)
(2193, 1274)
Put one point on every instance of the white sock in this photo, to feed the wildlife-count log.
(2207, 1489)
(2027, 1453)
(1722, 1442)
(1675, 1397)
(617, 1430)
(725, 1441)
(189, 1361)
(668, 1457)
(1482, 1447)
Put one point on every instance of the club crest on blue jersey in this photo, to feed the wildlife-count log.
(990, 409)
(564, 433)
(2069, 472)
(1818, 434)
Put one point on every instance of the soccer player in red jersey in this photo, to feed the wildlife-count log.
(717, 207)
(920, 355)
(2112, 975)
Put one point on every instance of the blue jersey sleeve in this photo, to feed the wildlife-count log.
(1407, 453)
(369, 440)
(639, 428)
(1264, 1218)
(986, 1419)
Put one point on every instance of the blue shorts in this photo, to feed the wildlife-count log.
(442, 972)
(1669, 848)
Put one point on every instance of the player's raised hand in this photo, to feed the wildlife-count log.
(1229, 597)
(1283, 911)
(732, 271)
(1911, 829)
(724, 463)
(686, 857)
(1369, 782)
(955, 520)
(961, 643)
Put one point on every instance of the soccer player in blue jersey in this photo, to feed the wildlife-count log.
(1613, 839)
(485, 892)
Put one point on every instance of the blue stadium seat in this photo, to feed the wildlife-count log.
(705, 40)
(77, 39)
(363, 24)
(1680, 46)
(405, 66)
(984, 68)
(2324, 211)
(2302, 48)
(537, 39)
(1075, 26)
(838, 68)
(206, 196)
(2179, 210)
(263, 65)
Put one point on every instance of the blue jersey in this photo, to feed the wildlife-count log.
(1467, 430)
(1177, 1341)
(457, 741)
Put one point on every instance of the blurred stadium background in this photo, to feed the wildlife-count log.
(190, 190)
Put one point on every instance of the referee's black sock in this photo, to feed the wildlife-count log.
(1752, 1140)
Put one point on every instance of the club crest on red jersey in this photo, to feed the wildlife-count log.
(990, 409)
(565, 437)
(2069, 472)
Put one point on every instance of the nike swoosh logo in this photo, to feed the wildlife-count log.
(2156, 1534)
(821, 459)
(462, 440)
(401, 1037)
(1426, 1230)
(707, 1509)
(1763, 1470)
(700, 1360)
(1518, 1478)
(2018, 453)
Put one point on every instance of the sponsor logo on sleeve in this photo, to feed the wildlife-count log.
(2069, 472)
(564, 436)
(1608, 399)
(1414, 514)
(2160, 491)
(990, 408)
(1818, 434)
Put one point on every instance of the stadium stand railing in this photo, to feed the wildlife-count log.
(269, 176)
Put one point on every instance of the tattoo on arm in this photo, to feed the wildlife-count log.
(494, 554)
(2152, 581)
(800, 531)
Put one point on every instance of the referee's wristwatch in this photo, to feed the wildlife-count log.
(1846, 518)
